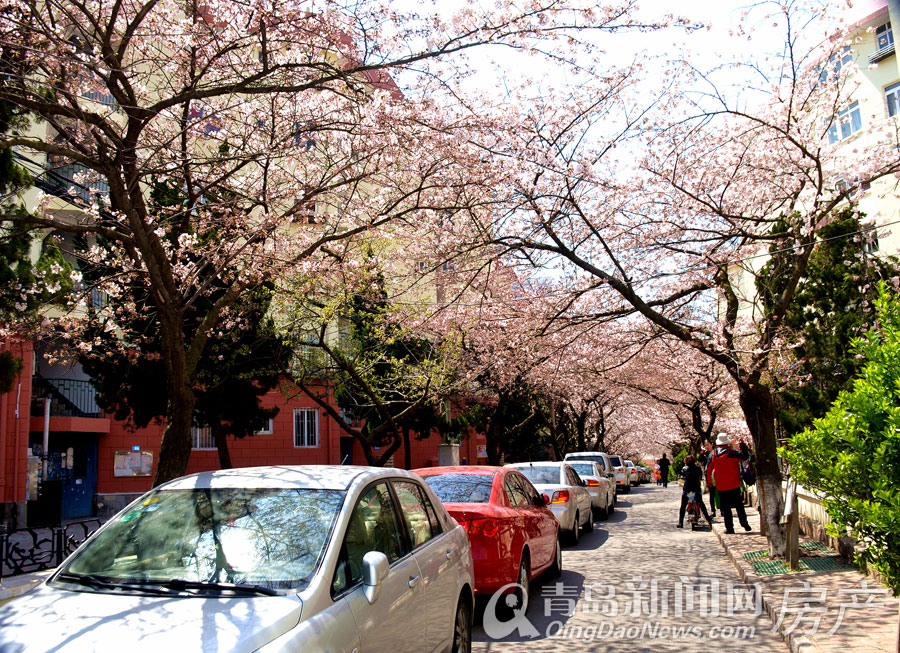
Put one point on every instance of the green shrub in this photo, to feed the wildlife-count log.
(852, 455)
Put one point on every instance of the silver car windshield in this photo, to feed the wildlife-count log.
(271, 538)
(541, 475)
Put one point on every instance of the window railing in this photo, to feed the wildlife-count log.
(64, 176)
(881, 53)
(68, 398)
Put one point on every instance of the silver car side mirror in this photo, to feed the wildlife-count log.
(375, 570)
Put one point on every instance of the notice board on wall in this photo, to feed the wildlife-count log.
(133, 463)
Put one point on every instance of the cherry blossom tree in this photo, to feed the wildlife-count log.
(666, 209)
(282, 125)
(697, 389)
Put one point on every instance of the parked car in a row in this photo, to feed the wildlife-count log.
(569, 498)
(265, 559)
(513, 533)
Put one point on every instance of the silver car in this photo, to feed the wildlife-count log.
(567, 493)
(606, 466)
(623, 483)
(601, 488)
(306, 558)
(633, 474)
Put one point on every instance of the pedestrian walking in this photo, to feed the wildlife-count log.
(664, 469)
(725, 470)
(705, 458)
(656, 475)
(691, 474)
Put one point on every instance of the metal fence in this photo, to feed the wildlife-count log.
(28, 550)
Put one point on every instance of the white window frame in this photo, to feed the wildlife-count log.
(892, 91)
(202, 438)
(888, 33)
(845, 118)
(307, 439)
(268, 429)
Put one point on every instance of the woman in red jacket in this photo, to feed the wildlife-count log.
(725, 470)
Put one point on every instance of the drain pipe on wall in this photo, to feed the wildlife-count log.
(46, 438)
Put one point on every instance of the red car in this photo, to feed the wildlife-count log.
(513, 535)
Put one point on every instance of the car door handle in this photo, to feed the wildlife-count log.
(413, 581)
(451, 553)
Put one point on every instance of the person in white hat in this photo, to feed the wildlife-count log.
(725, 471)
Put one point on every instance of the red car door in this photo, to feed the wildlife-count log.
(541, 525)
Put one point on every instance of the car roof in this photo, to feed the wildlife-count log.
(319, 477)
(542, 463)
(485, 470)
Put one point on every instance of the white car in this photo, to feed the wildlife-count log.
(606, 466)
(633, 474)
(619, 469)
(312, 558)
(601, 488)
(568, 496)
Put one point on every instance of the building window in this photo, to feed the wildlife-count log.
(306, 427)
(847, 123)
(836, 63)
(870, 242)
(884, 37)
(267, 429)
(202, 438)
(892, 95)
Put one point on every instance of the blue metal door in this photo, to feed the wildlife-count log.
(78, 472)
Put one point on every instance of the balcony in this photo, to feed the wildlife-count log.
(881, 53)
(68, 398)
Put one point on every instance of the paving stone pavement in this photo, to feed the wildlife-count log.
(639, 584)
(823, 611)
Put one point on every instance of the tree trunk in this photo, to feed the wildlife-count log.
(175, 448)
(221, 438)
(492, 440)
(407, 454)
(758, 408)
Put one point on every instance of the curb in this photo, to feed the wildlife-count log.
(770, 605)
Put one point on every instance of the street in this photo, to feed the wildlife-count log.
(637, 583)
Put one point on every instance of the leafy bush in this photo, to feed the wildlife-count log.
(678, 462)
(852, 455)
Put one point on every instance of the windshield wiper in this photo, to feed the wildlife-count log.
(89, 580)
(183, 584)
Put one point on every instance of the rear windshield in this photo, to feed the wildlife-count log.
(586, 456)
(584, 469)
(541, 475)
(461, 488)
(615, 461)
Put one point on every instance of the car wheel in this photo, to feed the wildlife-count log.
(601, 513)
(556, 567)
(627, 488)
(575, 532)
(524, 584)
(589, 526)
(612, 506)
(462, 628)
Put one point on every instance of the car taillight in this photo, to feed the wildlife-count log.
(560, 496)
(486, 527)
(593, 483)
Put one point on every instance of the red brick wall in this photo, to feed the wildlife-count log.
(14, 430)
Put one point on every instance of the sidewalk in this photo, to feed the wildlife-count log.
(824, 607)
